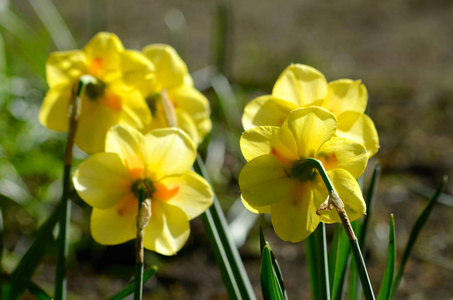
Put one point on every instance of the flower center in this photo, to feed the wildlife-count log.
(96, 90)
(303, 170)
(153, 101)
(146, 184)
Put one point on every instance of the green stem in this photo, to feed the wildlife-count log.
(139, 252)
(335, 200)
(323, 275)
(63, 235)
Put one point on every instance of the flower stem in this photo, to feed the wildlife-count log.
(335, 200)
(63, 235)
(143, 216)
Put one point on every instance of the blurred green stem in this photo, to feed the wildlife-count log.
(63, 236)
(143, 215)
(335, 201)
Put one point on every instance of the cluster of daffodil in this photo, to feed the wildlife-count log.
(305, 118)
(142, 119)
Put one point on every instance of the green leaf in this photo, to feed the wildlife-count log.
(371, 196)
(312, 266)
(225, 251)
(386, 285)
(35, 252)
(130, 288)
(7, 291)
(338, 261)
(318, 269)
(270, 285)
(418, 226)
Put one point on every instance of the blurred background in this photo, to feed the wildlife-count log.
(235, 50)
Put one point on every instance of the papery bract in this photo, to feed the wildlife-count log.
(301, 86)
(113, 99)
(173, 81)
(275, 181)
(160, 161)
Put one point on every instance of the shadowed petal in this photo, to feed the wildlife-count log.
(54, 110)
(65, 68)
(264, 181)
(346, 95)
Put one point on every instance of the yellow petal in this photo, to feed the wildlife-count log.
(360, 128)
(170, 68)
(103, 54)
(137, 71)
(115, 225)
(264, 180)
(168, 229)
(349, 191)
(170, 152)
(310, 127)
(301, 85)
(129, 144)
(257, 141)
(341, 153)
(186, 123)
(294, 217)
(188, 99)
(266, 110)
(54, 109)
(65, 68)
(256, 209)
(102, 180)
(194, 194)
(346, 95)
(134, 110)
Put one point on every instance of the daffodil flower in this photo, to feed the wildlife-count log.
(277, 179)
(112, 99)
(160, 161)
(174, 87)
(302, 86)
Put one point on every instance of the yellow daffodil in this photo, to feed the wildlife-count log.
(113, 99)
(277, 180)
(161, 161)
(301, 86)
(174, 93)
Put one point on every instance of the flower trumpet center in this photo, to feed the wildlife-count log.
(95, 90)
(303, 170)
(146, 184)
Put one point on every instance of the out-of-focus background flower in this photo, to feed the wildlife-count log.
(401, 50)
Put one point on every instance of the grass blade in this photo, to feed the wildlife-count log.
(130, 288)
(312, 266)
(386, 285)
(418, 226)
(54, 23)
(371, 196)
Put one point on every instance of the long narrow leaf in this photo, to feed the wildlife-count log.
(130, 288)
(338, 261)
(35, 252)
(270, 285)
(321, 249)
(371, 196)
(418, 226)
(312, 266)
(386, 285)
(216, 221)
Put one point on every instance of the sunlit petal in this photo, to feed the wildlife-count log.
(170, 68)
(256, 209)
(193, 194)
(168, 229)
(301, 85)
(341, 153)
(54, 109)
(115, 225)
(264, 180)
(257, 141)
(65, 67)
(294, 217)
(137, 71)
(266, 110)
(102, 180)
(170, 152)
(129, 144)
(346, 95)
(311, 127)
(360, 128)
